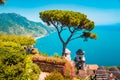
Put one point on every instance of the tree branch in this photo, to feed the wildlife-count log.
(76, 37)
(72, 33)
(61, 29)
(70, 29)
(69, 38)
(56, 26)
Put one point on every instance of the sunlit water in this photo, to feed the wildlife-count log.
(103, 51)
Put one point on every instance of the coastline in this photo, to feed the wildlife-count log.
(39, 37)
(44, 35)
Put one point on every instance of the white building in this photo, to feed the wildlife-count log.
(67, 54)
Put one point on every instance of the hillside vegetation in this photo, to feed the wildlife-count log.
(15, 64)
(12, 23)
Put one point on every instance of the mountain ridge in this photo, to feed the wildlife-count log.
(12, 23)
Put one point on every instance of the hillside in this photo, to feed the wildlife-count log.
(12, 23)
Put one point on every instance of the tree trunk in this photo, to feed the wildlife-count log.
(63, 50)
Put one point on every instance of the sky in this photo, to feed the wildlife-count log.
(102, 12)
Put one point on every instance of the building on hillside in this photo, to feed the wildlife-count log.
(80, 59)
(67, 54)
(92, 66)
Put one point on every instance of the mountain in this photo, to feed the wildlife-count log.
(12, 23)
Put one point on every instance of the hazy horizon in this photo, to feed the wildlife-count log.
(101, 12)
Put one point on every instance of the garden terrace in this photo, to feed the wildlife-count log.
(50, 60)
(49, 64)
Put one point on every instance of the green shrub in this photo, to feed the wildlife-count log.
(118, 67)
(31, 69)
(22, 40)
(35, 72)
(18, 67)
(57, 55)
(14, 63)
(45, 54)
(55, 76)
(46, 59)
(12, 66)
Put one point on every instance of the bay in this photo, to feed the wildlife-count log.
(103, 51)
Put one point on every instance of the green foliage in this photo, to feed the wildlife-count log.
(2, 1)
(32, 70)
(45, 54)
(55, 76)
(35, 72)
(46, 59)
(18, 67)
(108, 67)
(81, 78)
(12, 66)
(14, 63)
(67, 18)
(57, 55)
(118, 67)
(87, 35)
(74, 20)
(10, 47)
(70, 20)
(19, 40)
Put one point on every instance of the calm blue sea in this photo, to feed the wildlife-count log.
(103, 51)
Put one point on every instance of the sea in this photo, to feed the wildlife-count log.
(104, 51)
